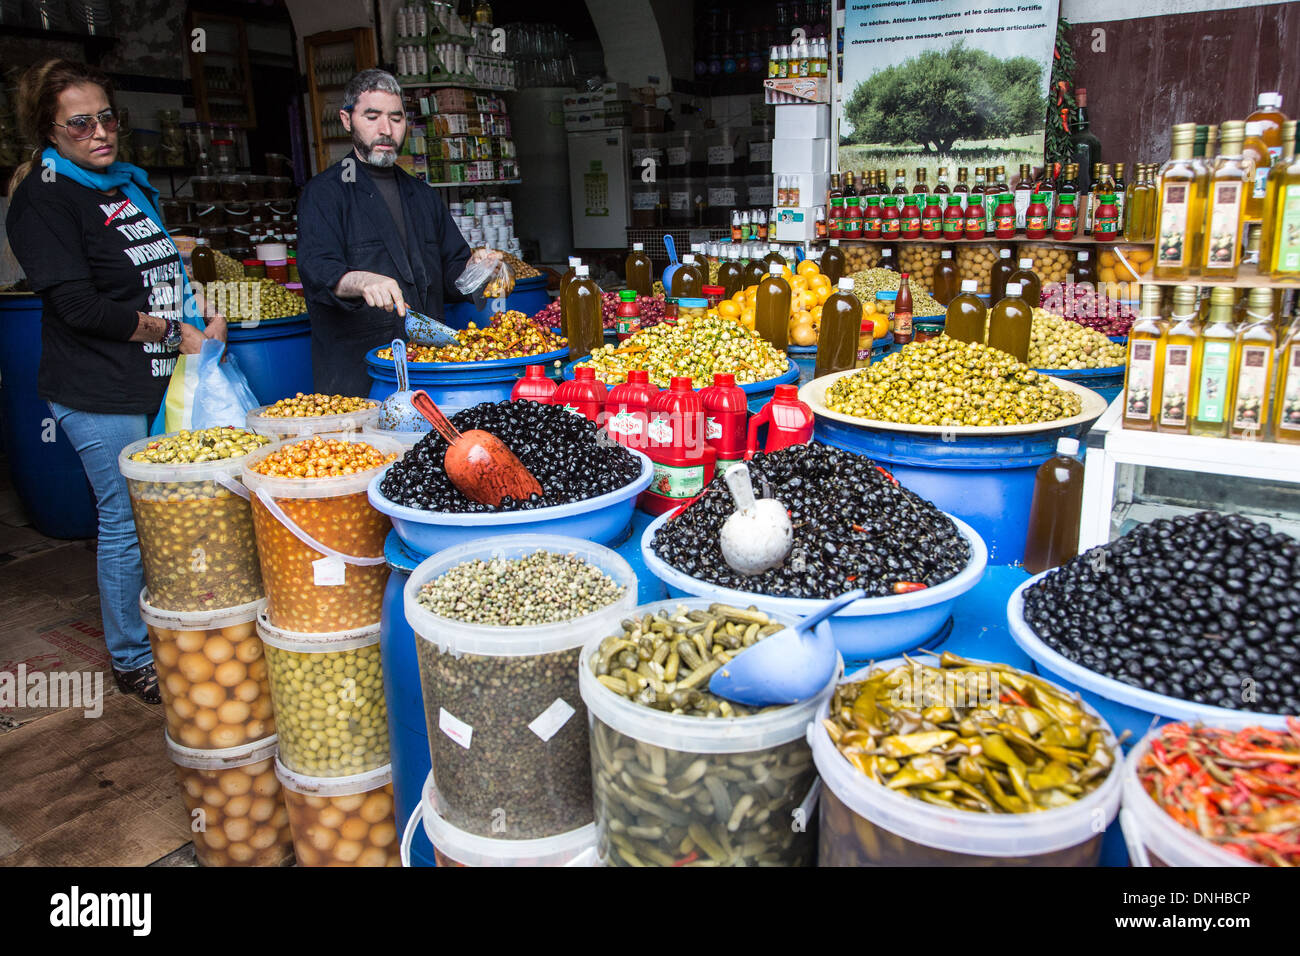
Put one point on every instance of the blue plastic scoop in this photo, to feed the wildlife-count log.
(673, 264)
(425, 330)
(791, 665)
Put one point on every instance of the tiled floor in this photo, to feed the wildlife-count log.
(74, 790)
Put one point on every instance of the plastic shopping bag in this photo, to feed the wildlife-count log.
(206, 392)
(487, 279)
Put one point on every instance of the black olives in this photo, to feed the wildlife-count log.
(569, 456)
(1205, 600)
(854, 527)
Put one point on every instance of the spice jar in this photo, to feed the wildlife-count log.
(277, 270)
(254, 269)
(928, 329)
(691, 308)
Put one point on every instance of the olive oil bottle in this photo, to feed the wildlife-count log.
(772, 308)
(1215, 358)
(1252, 364)
(1031, 287)
(1010, 324)
(1181, 209)
(1279, 254)
(837, 345)
(1225, 205)
(1145, 372)
(1177, 385)
(1286, 395)
(967, 319)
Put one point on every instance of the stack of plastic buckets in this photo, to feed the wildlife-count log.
(320, 545)
(202, 595)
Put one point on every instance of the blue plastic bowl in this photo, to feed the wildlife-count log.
(1124, 706)
(1106, 382)
(455, 385)
(758, 393)
(602, 519)
(867, 629)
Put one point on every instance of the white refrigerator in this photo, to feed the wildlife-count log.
(598, 188)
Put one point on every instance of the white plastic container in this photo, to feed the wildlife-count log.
(342, 821)
(407, 440)
(277, 427)
(507, 726)
(212, 675)
(236, 809)
(320, 543)
(330, 708)
(1154, 838)
(865, 823)
(673, 745)
(195, 531)
(454, 847)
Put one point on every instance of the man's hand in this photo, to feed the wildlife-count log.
(380, 292)
(191, 339)
(485, 254)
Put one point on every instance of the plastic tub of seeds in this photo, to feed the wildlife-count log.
(341, 821)
(455, 847)
(212, 675)
(507, 725)
(1161, 823)
(975, 260)
(320, 542)
(328, 691)
(702, 781)
(986, 820)
(313, 415)
(236, 809)
(192, 518)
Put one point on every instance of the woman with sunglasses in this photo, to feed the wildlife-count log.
(87, 232)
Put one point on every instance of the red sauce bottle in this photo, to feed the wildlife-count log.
(725, 410)
(1067, 217)
(891, 222)
(953, 218)
(584, 394)
(852, 225)
(911, 217)
(932, 219)
(1004, 216)
(535, 386)
(1036, 217)
(976, 226)
(683, 460)
(629, 315)
(871, 220)
(1105, 220)
(835, 218)
(627, 409)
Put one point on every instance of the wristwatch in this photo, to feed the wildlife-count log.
(172, 337)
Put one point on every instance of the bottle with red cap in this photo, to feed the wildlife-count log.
(683, 459)
(725, 411)
(629, 315)
(789, 422)
(584, 394)
(627, 409)
(535, 386)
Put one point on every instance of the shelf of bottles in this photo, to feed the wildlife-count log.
(737, 45)
(434, 47)
(458, 136)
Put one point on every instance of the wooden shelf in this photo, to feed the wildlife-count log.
(1248, 277)
(478, 182)
(1078, 241)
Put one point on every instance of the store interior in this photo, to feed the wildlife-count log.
(1015, 369)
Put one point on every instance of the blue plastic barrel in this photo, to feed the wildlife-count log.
(986, 481)
(43, 465)
(456, 385)
(529, 297)
(275, 356)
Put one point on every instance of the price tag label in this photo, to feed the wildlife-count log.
(456, 728)
(329, 572)
(548, 722)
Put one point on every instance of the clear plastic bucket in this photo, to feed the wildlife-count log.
(328, 691)
(334, 580)
(277, 427)
(342, 821)
(236, 810)
(212, 675)
(866, 824)
(195, 531)
(507, 725)
(731, 786)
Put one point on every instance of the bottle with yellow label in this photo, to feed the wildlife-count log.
(1215, 359)
(1286, 393)
(1279, 253)
(1180, 196)
(1143, 377)
(1230, 186)
(1252, 365)
(1177, 389)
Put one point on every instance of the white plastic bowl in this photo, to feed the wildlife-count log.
(867, 628)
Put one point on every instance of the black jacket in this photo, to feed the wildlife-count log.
(344, 226)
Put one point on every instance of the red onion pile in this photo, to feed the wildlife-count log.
(1081, 302)
(652, 311)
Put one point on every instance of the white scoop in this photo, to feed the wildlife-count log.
(759, 535)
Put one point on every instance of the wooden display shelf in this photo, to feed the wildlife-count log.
(809, 88)
(1077, 241)
(1248, 277)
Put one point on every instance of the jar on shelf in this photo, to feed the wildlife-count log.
(234, 188)
(254, 269)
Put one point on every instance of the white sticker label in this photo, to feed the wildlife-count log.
(549, 721)
(454, 728)
(624, 423)
(329, 572)
(661, 430)
(712, 429)
(721, 155)
(678, 156)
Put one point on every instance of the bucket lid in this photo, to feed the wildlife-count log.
(303, 642)
(472, 850)
(287, 426)
(688, 733)
(198, 620)
(334, 786)
(223, 759)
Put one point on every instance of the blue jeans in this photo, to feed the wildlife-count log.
(99, 438)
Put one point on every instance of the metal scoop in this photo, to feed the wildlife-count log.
(758, 535)
(425, 330)
(789, 666)
(397, 413)
(478, 463)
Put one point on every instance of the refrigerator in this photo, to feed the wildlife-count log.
(598, 188)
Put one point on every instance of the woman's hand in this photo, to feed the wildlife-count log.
(191, 339)
(216, 327)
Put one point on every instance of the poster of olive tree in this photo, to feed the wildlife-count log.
(944, 83)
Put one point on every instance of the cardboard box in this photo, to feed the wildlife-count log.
(799, 121)
(801, 155)
(795, 224)
(812, 187)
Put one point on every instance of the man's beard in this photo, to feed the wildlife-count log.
(374, 156)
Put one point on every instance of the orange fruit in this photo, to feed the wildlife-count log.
(881, 328)
(817, 313)
(748, 317)
(806, 300)
(803, 334)
(822, 295)
(808, 268)
(820, 281)
(729, 309)
(798, 284)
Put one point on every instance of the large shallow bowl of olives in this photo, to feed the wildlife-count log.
(867, 629)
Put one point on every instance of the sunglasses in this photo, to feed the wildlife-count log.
(83, 127)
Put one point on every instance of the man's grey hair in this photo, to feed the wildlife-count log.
(369, 81)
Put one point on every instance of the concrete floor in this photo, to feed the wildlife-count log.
(76, 791)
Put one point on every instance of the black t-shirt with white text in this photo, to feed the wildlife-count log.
(64, 232)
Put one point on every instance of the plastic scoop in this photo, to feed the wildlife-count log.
(425, 330)
(758, 536)
(789, 666)
(673, 264)
(397, 413)
(478, 463)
